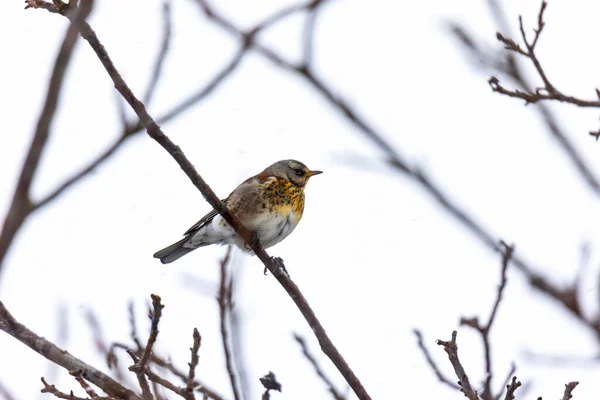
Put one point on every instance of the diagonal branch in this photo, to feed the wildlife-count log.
(538, 281)
(484, 330)
(274, 265)
(451, 349)
(61, 357)
(318, 370)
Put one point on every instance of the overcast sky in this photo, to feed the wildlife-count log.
(374, 254)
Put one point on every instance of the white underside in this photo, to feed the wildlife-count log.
(270, 230)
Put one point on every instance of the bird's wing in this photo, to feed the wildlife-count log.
(244, 199)
(203, 221)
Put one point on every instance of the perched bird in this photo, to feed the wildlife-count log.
(269, 204)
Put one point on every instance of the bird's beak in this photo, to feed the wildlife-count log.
(311, 173)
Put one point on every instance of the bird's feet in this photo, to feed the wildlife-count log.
(278, 264)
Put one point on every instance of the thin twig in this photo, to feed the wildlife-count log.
(548, 91)
(511, 388)
(193, 364)
(131, 130)
(162, 54)
(432, 363)
(569, 387)
(57, 393)
(451, 349)
(224, 300)
(140, 366)
(484, 330)
(319, 371)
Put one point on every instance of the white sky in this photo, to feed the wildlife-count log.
(374, 255)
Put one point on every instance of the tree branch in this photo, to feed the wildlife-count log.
(21, 205)
(548, 91)
(312, 360)
(451, 349)
(61, 357)
(274, 265)
(484, 330)
(432, 363)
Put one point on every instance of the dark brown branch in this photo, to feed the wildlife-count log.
(319, 371)
(274, 265)
(57, 393)
(225, 305)
(506, 64)
(432, 363)
(484, 330)
(141, 376)
(131, 130)
(140, 366)
(548, 91)
(162, 54)
(511, 388)
(21, 204)
(61, 357)
(569, 387)
(451, 349)
(193, 364)
(199, 386)
(537, 281)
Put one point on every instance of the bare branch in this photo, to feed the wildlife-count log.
(140, 366)
(57, 393)
(21, 205)
(451, 349)
(311, 359)
(432, 363)
(569, 387)
(131, 130)
(61, 357)
(548, 91)
(484, 330)
(224, 299)
(511, 388)
(506, 63)
(193, 364)
(162, 54)
(275, 265)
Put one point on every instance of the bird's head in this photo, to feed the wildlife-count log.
(293, 170)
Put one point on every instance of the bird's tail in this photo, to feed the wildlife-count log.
(173, 252)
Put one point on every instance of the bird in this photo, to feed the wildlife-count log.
(270, 204)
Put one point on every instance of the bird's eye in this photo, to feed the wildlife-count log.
(299, 172)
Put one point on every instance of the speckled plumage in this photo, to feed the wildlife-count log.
(270, 204)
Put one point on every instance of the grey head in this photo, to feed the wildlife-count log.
(293, 170)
